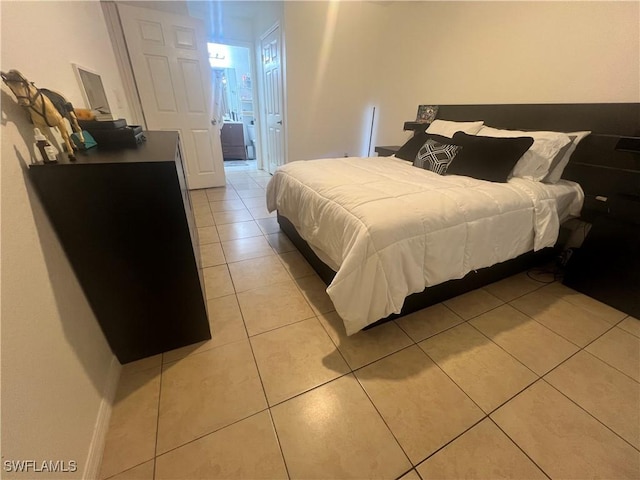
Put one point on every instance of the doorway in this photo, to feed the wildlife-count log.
(236, 105)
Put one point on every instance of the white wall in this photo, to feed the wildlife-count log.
(507, 52)
(331, 76)
(397, 55)
(56, 363)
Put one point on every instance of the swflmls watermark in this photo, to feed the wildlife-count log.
(40, 466)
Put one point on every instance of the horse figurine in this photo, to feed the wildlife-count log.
(46, 108)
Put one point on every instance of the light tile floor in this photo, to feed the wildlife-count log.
(519, 379)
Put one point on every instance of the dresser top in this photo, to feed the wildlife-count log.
(159, 147)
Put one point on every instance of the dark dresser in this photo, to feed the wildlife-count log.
(125, 221)
(232, 140)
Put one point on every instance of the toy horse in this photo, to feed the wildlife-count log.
(47, 108)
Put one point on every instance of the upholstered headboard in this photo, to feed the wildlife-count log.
(597, 165)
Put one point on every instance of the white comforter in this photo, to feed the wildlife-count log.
(389, 229)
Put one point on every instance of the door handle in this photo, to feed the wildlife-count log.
(214, 122)
(279, 122)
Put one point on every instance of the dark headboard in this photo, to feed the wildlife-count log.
(601, 118)
(596, 164)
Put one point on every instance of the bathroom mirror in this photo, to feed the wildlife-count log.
(226, 86)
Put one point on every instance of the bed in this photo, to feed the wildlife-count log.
(389, 238)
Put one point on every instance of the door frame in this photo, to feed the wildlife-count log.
(116, 34)
(283, 93)
(255, 90)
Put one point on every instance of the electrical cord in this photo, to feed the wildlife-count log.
(554, 272)
(545, 275)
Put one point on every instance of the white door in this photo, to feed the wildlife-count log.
(272, 75)
(171, 66)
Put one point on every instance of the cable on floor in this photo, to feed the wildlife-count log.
(549, 273)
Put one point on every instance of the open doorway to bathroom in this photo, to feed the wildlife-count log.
(235, 105)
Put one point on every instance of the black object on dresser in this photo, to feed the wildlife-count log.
(125, 221)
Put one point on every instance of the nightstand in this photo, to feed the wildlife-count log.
(387, 151)
(415, 126)
(607, 265)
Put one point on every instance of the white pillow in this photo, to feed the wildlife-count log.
(536, 162)
(448, 128)
(561, 161)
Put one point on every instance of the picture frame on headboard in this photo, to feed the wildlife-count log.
(93, 91)
(426, 113)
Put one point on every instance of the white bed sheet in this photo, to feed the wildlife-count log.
(389, 229)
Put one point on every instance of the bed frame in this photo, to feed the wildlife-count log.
(599, 165)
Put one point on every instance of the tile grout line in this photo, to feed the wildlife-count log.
(561, 335)
(540, 324)
(584, 349)
(487, 414)
(311, 389)
(255, 360)
(456, 383)
(371, 400)
(518, 447)
(275, 430)
(335, 344)
(602, 360)
(235, 294)
(502, 348)
(155, 448)
(412, 469)
(266, 400)
(435, 452)
(433, 334)
(200, 437)
(384, 420)
(538, 287)
(129, 469)
(542, 378)
(628, 317)
(591, 415)
(452, 380)
(279, 327)
(162, 369)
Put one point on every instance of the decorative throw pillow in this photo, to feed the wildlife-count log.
(536, 162)
(487, 158)
(409, 151)
(436, 156)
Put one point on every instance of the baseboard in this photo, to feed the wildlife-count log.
(96, 448)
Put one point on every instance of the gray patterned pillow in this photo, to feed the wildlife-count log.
(436, 156)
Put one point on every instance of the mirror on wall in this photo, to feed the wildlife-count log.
(233, 90)
(227, 87)
(93, 92)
